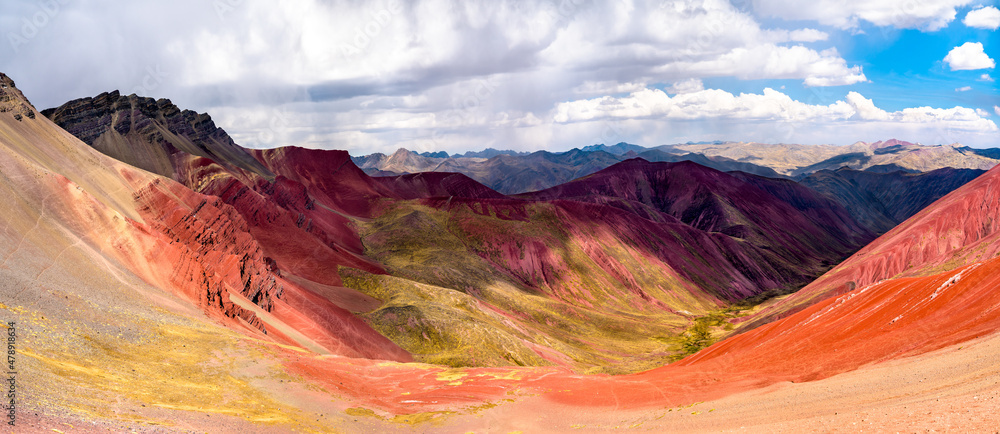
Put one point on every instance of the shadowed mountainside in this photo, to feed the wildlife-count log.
(797, 230)
(881, 201)
(436, 184)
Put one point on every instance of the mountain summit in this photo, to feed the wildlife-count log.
(13, 101)
(150, 134)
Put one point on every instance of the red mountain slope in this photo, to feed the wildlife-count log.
(883, 200)
(330, 177)
(436, 184)
(795, 230)
(951, 298)
(196, 246)
(959, 229)
(302, 209)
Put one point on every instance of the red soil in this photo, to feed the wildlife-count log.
(885, 321)
(959, 229)
(437, 184)
(892, 320)
(330, 177)
(874, 323)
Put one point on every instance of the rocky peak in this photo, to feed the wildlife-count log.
(890, 143)
(126, 114)
(13, 101)
(406, 157)
(402, 153)
(147, 132)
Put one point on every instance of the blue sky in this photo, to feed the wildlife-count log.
(905, 67)
(430, 75)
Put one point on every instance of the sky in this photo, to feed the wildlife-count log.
(436, 75)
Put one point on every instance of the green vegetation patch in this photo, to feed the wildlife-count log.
(468, 288)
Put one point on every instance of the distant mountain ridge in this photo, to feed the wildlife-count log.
(510, 172)
(801, 160)
(486, 153)
(620, 148)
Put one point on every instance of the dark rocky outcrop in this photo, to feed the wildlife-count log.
(12, 101)
(150, 134)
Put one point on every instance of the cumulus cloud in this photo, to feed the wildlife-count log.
(985, 77)
(798, 35)
(996, 109)
(928, 15)
(444, 75)
(963, 89)
(807, 35)
(770, 105)
(969, 55)
(824, 68)
(607, 87)
(864, 109)
(648, 116)
(687, 86)
(983, 18)
(255, 51)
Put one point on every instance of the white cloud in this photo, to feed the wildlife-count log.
(798, 35)
(266, 52)
(864, 109)
(444, 75)
(983, 18)
(985, 77)
(770, 105)
(607, 87)
(647, 116)
(996, 109)
(687, 86)
(928, 15)
(957, 117)
(969, 55)
(963, 89)
(982, 113)
(824, 68)
(808, 35)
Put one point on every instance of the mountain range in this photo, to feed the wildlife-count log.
(510, 173)
(577, 257)
(160, 275)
